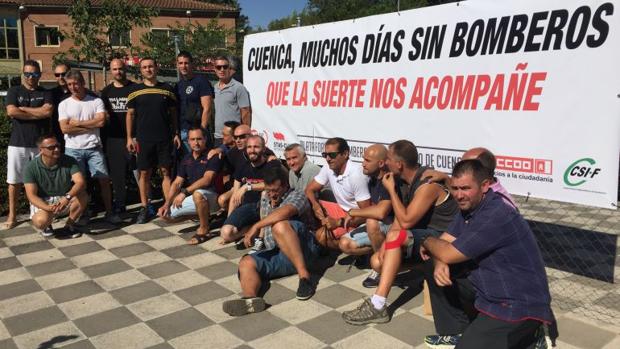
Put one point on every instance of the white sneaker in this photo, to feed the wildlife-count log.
(47, 232)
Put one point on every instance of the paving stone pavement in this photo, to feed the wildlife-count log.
(141, 286)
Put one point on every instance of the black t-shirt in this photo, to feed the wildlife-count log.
(378, 193)
(25, 132)
(115, 100)
(193, 169)
(250, 174)
(189, 93)
(152, 118)
(235, 158)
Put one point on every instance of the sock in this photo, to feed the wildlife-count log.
(377, 301)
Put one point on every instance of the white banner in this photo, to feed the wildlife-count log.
(536, 82)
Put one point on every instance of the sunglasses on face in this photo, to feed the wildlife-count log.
(60, 75)
(221, 67)
(332, 155)
(52, 147)
(32, 75)
(240, 136)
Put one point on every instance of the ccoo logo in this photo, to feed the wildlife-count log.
(580, 172)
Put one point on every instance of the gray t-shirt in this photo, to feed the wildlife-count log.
(228, 102)
(306, 175)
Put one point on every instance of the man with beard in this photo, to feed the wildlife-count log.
(193, 193)
(195, 95)
(153, 105)
(114, 97)
(247, 189)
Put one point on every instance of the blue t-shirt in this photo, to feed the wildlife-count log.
(510, 280)
(378, 193)
(189, 93)
(193, 169)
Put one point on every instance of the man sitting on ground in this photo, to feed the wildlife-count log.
(421, 209)
(49, 189)
(246, 190)
(350, 187)
(287, 221)
(301, 170)
(379, 217)
(192, 192)
(487, 159)
(508, 288)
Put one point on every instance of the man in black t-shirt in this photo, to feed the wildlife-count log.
(153, 105)
(59, 94)
(114, 97)
(246, 191)
(29, 107)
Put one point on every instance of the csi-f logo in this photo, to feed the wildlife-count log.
(580, 171)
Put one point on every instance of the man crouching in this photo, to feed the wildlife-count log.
(286, 221)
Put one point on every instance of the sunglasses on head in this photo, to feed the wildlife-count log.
(222, 67)
(52, 147)
(243, 136)
(59, 75)
(332, 155)
(32, 75)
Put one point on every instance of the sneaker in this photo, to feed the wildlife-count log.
(372, 280)
(243, 306)
(442, 342)
(541, 340)
(47, 232)
(73, 232)
(143, 216)
(305, 290)
(152, 210)
(113, 218)
(239, 245)
(366, 313)
(84, 220)
(259, 245)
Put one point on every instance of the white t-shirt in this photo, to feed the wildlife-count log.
(86, 109)
(348, 188)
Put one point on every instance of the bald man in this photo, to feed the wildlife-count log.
(488, 162)
(379, 216)
(114, 98)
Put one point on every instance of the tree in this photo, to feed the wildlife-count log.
(242, 25)
(204, 42)
(92, 28)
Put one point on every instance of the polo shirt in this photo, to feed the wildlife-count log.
(349, 188)
(300, 180)
(229, 99)
(510, 281)
(51, 181)
(192, 169)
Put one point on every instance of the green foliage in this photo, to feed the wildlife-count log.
(242, 24)
(92, 27)
(203, 42)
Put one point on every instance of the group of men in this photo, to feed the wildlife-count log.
(486, 277)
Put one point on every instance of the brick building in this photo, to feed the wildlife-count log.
(29, 30)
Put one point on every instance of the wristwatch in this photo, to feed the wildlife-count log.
(248, 186)
(68, 196)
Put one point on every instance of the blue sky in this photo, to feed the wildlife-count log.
(261, 12)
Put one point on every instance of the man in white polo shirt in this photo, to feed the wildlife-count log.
(350, 187)
(80, 117)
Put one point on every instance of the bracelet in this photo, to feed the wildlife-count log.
(185, 192)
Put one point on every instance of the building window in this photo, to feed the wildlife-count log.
(46, 36)
(9, 44)
(120, 39)
(166, 33)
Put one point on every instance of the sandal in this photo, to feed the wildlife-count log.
(198, 239)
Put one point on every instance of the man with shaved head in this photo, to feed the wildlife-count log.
(369, 237)
(114, 98)
(487, 159)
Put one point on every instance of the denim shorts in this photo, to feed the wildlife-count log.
(244, 215)
(188, 207)
(89, 161)
(360, 235)
(275, 264)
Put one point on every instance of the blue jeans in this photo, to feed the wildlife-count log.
(89, 161)
(274, 264)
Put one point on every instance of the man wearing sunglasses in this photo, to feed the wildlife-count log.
(232, 101)
(54, 187)
(350, 187)
(59, 93)
(29, 107)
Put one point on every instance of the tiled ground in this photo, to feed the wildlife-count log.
(142, 287)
